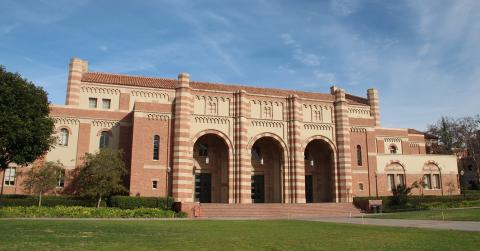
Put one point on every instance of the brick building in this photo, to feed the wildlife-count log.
(210, 142)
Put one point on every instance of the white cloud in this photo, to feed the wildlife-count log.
(307, 59)
(103, 48)
(344, 7)
(324, 77)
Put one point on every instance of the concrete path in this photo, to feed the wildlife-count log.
(432, 224)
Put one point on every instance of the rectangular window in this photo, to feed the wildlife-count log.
(106, 103)
(436, 179)
(401, 179)
(390, 181)
(428, 181)
(154, 184)
(92, 102)
(9, 177)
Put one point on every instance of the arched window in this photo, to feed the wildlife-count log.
(256, 154)
(359, 155)
(104, 138)
(64, 137)
(202, 150)
(156, 145)
(393, 149)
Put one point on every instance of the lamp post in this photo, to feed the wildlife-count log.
(376, 184)
(461, 182)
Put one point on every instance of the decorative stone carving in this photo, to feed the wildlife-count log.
(105, 123)
(100, 90)
(66, 121)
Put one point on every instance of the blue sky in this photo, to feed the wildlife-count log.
(423, 56)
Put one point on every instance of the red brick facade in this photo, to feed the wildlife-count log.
(350, 153)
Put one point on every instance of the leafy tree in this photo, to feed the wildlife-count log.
(101, 174)
(400, 195)
(25, 128)
(420, 184)
(42, 179)
(446, 129)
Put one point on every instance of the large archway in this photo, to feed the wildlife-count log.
(319, 172)
(267, 157)
(211, 166)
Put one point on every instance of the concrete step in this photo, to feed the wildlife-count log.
(272, 210)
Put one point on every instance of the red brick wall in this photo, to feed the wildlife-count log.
(143, 168)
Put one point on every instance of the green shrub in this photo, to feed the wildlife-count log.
(85, 212)
(422, 202)
(48, 201)
(127, 202)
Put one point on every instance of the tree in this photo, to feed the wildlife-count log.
(25, 128)
(400, 195)
(101, 174)
(420, 184)
(446, 129)
(42, 179)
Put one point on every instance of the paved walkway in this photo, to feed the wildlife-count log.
(432, 224)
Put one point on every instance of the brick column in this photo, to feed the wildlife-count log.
(182, 183)
(83, 142)
(374, 103)
(76, 68)
(242, 160)
(297, 165)
(344, 166)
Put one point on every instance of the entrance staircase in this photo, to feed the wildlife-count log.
(277, 210)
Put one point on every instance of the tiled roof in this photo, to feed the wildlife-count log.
(164, 83)
(413, 131)
(119, 79)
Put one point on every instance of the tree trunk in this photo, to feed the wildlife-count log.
(40, 199)
(99, 200)
(3, 181)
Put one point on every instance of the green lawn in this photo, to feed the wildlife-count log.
(448, 214)
(222, 235)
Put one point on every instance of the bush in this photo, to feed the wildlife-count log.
(48, 201)
(127, 202)
(422, 202)
(85, 212)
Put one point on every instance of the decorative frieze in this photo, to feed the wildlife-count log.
(211, 120)
(318, 127)
(100, 90)
(105, 123)
(266, 123)
(66, 121)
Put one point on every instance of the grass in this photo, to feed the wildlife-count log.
(465, 214)
(222, 235)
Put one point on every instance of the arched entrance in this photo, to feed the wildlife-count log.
(319, 172)
(267, 170)
(211, 159)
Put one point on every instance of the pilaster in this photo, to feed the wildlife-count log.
(296, 179)
(344, 166)
(242, 174)
(182, 179)
(76, 69)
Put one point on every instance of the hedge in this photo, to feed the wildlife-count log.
(86, 212)
(47, 201)
(127, 202)
(423, 202)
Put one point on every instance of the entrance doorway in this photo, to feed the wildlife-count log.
(210, 155)
(258, 188)
(309, 188)
(267, 171)
(319, 172)
(203, 187)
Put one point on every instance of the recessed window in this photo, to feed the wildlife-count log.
(257, 154)
(202, 150)
(401, 179)
(156, 145)
(10, 176)
(64, 137)
(92, 102)
(104, 139)
(359, 155)
(154, 184)
(106, 103)
(390, 181)
(428, 181)
(393, 149)
(360, 186)
(212, 108)
(267, 112)
(61, 179)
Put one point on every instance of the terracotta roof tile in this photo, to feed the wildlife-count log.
(413, 131)
(165, 83)
(119, 79)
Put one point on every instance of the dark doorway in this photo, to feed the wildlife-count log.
(203, 187)
(309, 188)
(258, 188)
